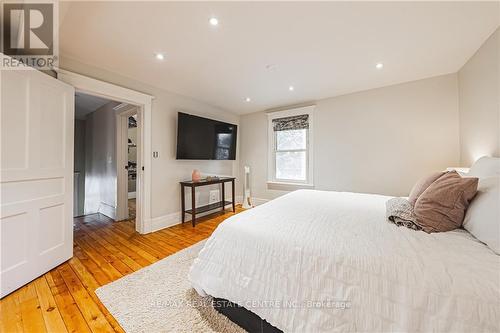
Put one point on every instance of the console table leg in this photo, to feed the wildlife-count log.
(223, 197)
(183, 204)
(232, 190)
(193, 206)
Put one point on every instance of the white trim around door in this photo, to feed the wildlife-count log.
(143, 101)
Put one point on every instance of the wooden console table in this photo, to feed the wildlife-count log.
(197, 210)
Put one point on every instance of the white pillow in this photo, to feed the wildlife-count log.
(482, 218)
(485, 167)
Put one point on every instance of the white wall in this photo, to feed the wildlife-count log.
(480, 102)
(376, 141)
(100, 161)
(166, 170)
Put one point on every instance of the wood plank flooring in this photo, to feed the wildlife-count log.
(63, 300)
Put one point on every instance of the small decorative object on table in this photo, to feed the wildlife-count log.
(211, 178)
(196, 175)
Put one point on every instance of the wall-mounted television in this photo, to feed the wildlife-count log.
(201, 138)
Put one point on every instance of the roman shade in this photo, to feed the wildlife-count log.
(291, 123)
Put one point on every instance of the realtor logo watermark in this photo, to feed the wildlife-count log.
(29, 35)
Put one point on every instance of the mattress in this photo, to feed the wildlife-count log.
(318, 261)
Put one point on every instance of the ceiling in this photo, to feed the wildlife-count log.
(85, 104)
(322, 49)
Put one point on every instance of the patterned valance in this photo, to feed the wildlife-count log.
(291, 123)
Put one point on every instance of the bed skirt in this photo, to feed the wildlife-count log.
(244, 318)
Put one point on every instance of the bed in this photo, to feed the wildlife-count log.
(319, 261)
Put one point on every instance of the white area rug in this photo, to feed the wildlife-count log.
(159, 298)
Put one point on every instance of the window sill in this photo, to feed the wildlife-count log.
(284, 186)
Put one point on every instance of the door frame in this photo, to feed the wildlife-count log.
(143, 102)
(122, 159)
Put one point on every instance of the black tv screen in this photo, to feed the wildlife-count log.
(200, 138)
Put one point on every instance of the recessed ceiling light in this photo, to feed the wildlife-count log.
(291, 88)
(248, 99)
(159, 56)
(379, 65)
(213, 21)
(271, 67)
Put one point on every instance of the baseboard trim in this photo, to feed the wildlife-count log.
(107, 210)
(169, 220)
(165, 221)
(258, 201)
(255, 201)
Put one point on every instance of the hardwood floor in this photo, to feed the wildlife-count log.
(63, 300)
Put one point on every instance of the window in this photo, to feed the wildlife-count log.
(290, 149)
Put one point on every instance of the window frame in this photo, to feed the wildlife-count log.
(272, 148)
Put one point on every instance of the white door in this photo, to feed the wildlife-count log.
(36, 175)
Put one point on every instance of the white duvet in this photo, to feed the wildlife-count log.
(314, 261)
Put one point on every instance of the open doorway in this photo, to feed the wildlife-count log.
(104, 153)
(129, 149)
(132, 165)
(143, 106)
